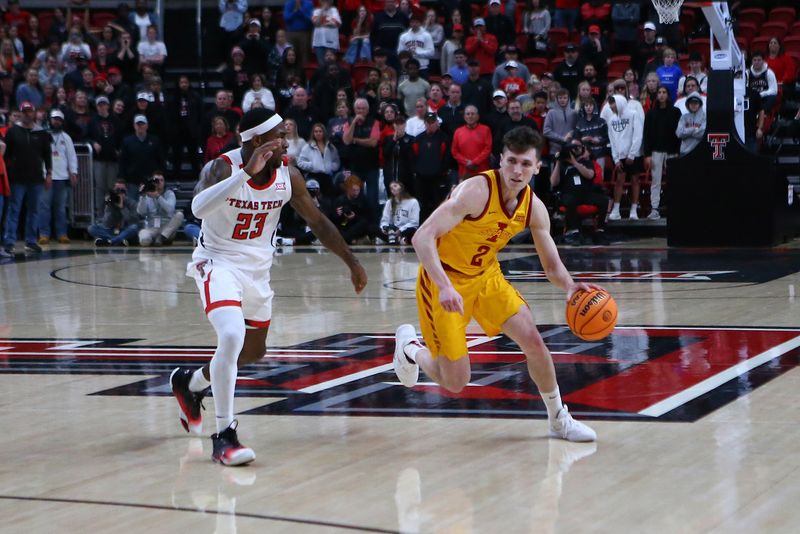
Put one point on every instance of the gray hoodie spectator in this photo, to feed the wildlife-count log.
(692, 125)
(560, 122)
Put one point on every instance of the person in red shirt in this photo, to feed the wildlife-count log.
(220, 136)
(436, 100)
(472, 145)
(17, 17)
(482, 46)
(781, 64)
(513, 85)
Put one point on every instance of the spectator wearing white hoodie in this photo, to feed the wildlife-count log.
(258, 92)
(419, 43)
(692, 126)
(761, 78)
(625, 131)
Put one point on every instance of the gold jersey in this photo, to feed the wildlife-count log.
(471, 247)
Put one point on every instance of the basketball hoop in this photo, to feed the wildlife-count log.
(669, 11)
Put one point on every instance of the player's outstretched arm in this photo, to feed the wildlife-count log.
(468, 199)
(324, 229)
(546, 248)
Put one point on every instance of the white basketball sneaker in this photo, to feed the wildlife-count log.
(407, 370)
(565, 427)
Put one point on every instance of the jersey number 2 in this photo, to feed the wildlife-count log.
(477, 259)
(242, 230)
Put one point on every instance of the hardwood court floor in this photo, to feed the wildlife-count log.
(694, 399)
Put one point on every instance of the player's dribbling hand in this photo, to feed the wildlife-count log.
(582, 286)
(451, 300)
(259, 159)
(358, 275)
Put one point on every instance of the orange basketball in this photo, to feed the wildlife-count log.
(591, 315)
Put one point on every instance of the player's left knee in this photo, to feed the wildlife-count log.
(533, 344)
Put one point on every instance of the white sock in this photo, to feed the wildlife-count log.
(615, 209)
(411, 350)
(228, 322)
(634, 208)
(552, 402)
(198, 381)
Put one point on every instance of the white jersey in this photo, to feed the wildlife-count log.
(233, 158)
(241, 233)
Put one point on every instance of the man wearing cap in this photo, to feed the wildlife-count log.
(500, 24)
(511, 54)
(29, 164)
(297, 15)
(513, 84)
(498, 112)
(482, 46)
(450, 47)
(140, 156)
(477, 91)
(696, 71)
(646, 48)
(419, 43)
(105, 135)
(625, 17)
(431, 156)
(568, 73)
(53, 202)
(256, 50)
(594, 49)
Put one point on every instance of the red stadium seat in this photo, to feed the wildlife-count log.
(359, 73)
(774, 29)
(792, 44)
(536, 65)
(101, 18)
(558, 36)
(701, 46)
(786, 15)
(45, 21)
(683, 61)
(748, 30)
(795, 29)
(755, 15)
(616, 63)
(522, 44)
(760, 43)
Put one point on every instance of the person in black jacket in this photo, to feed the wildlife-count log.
(431, 152)
(140, 157)
(105, 135)
(27, 154)
(184, 112)
(513, 119)
(397, 156)
(659, 142)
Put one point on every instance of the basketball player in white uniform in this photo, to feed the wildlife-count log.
(240, 202)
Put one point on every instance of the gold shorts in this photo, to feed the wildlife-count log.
(488, 297)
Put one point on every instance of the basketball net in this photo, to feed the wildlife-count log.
(669, 11)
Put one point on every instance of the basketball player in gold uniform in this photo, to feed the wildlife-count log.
(460, 278)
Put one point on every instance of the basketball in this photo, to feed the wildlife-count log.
(591, 315)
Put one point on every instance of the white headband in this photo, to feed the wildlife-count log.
(264, 127)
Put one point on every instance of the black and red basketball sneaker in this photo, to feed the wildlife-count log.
(190, 402)
(228, 450)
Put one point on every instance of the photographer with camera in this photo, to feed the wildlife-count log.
(120, 222)
(351, 212)
(578, 179)
(157, 206)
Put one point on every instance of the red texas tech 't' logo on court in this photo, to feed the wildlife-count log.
(718, 141)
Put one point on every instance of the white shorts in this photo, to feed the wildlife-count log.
(223, 285)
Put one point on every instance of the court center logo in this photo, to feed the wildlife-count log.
(637, 373)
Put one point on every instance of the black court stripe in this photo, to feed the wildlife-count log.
(296, 520)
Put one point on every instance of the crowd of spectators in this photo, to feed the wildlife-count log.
(383, 100)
